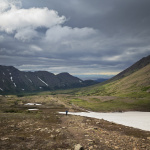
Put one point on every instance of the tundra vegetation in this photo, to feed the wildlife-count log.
(45, 128)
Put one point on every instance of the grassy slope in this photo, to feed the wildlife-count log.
(134, 85)
(129, 93)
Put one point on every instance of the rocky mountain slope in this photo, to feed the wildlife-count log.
(12, 81)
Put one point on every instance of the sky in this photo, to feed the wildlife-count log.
(83, 37)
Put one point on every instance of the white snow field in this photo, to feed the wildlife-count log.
(136, 119)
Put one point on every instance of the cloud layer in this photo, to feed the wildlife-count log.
(24, 22)
(86, 37)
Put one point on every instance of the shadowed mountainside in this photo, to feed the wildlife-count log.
(14, 81)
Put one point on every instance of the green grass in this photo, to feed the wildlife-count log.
(135, 85)
(112, 105)
(145, 88)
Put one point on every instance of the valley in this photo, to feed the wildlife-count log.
(45, 128)
(31, 120)
(74, 75)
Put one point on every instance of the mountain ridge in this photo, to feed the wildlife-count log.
(133, 79)
(13, 80)
(133, 68)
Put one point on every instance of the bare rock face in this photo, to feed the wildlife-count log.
(148, 91)
(148, 138)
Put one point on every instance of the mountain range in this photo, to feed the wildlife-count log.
(135, 77)
(14, 81)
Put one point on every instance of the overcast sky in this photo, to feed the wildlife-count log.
(97, 37)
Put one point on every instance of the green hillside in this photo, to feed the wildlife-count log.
(129, 93)
(135, 85)
(133, 68)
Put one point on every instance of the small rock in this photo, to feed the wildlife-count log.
(143, 146)
(78, 147)
(148, 91)
(58, 130)
(89, 140)
(38, 129)
(95, 146)
(148, 138)
(4, 138)
(12, 126)
(88, 120)
(86, 135)
(89, 129)
(52, 136)
(116, 147)
(91, 147)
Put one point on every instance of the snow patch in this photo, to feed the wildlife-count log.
(3, 73)
(1, 89)
(13, 81)
(31, 104)
(14, 84)
(42, 81)
(33, 109)
(28, 79)
(140, 120)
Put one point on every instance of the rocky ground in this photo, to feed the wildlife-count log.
(100, 135)
(46, 129)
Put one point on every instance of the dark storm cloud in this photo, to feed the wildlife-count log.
(85, 36)
(101, 14)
